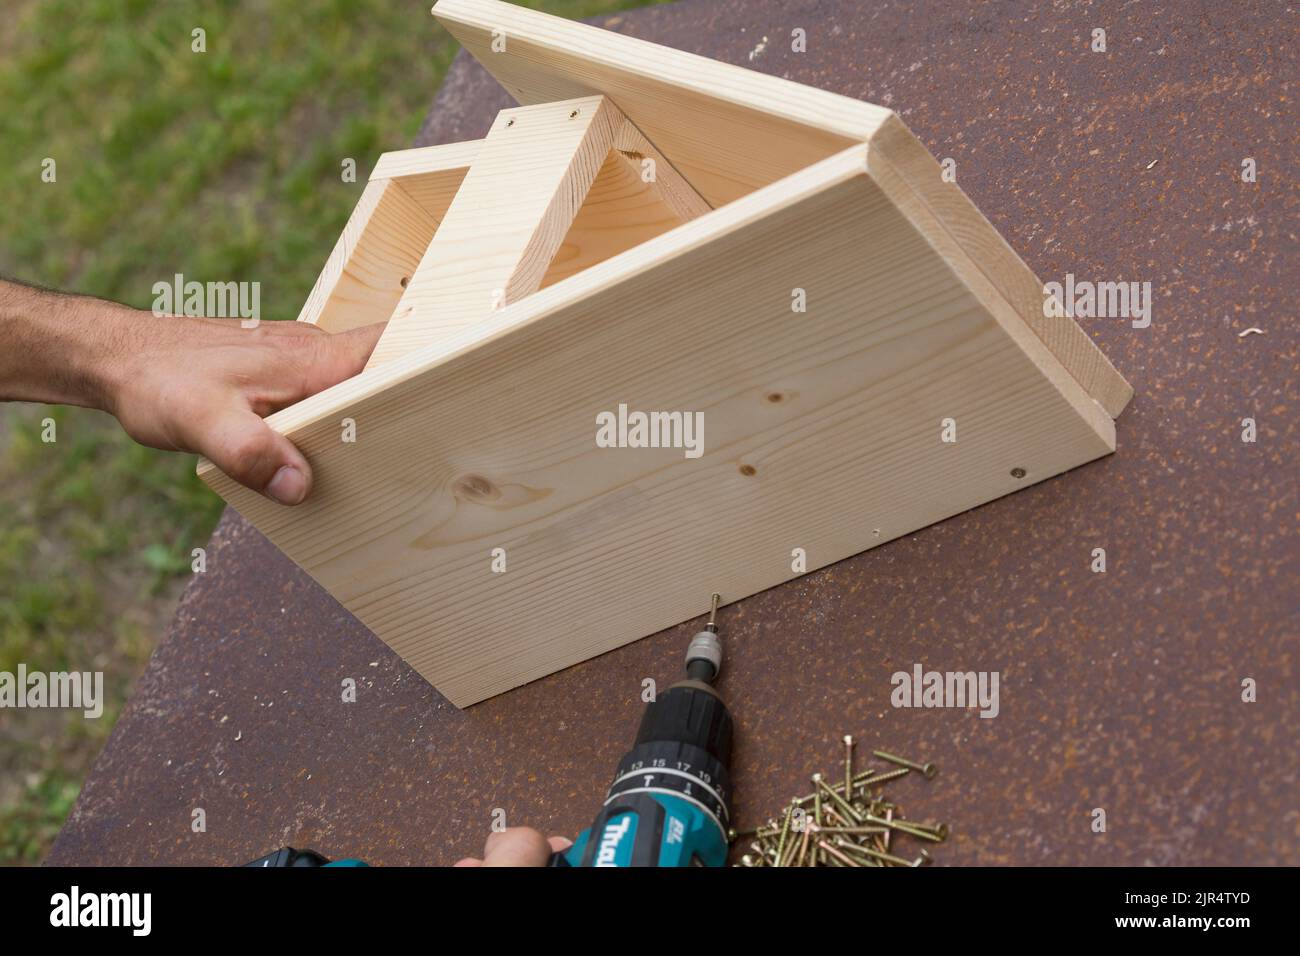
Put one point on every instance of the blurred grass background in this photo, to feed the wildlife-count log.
(223, 166)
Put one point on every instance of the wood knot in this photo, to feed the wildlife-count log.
(476, 488)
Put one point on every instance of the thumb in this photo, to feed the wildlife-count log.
(516, 846)
(257, 456)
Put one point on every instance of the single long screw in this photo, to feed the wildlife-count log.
(905, 828)
(886, 777)
(848, 765)
(856, 831)
(938, 829)
(928, 770)
(785, 832)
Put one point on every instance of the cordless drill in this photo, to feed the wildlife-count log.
(670, 802)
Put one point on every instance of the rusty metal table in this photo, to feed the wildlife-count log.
(1119, 690)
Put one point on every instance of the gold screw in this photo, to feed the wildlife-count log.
(848, 765)
(886, 777)
(927, 770)
(785, 831)
(938, 829)
(905, 828)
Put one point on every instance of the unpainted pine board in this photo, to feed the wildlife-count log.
(507, 220)
(728, 130)
(678, 194)
(627, 204)
(420, 160)
(822, 432)
(942, 208)
(379, 248)
(431, 175)
(620, 212)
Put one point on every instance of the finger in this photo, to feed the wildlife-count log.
(344, 354)
(559, 844)
(256, 456)
(325, 360)
(516, 846)
(468, 861)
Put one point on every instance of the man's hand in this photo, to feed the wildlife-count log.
(175, 382)
(518, 846)
(204, 385)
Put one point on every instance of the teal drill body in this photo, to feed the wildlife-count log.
(670, 802)
(672, 832)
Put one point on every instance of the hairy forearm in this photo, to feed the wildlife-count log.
(61, 348)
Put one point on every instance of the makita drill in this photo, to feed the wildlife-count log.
(670, 802)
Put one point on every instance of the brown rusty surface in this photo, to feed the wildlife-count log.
(1119, 690)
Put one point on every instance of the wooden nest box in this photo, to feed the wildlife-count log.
(654, 232)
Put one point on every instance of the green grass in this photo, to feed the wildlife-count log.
(223, 166)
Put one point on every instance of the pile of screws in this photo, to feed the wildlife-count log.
(846, 823)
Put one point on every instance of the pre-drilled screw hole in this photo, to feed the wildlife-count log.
(748, 470)
(573, 114)
(1017, 472)
(405, 280)
(510, 122)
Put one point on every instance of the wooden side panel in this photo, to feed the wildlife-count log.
(423, 160)
(728, 130)
(821, 431)
(386, 235)
(945, 214)
(379, 250)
